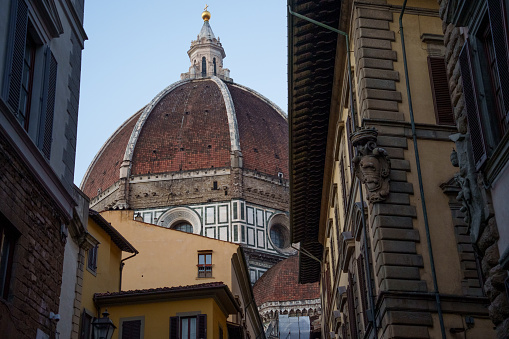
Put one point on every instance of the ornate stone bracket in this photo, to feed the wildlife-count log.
(371, 164)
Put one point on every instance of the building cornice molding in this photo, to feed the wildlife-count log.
(33, 159)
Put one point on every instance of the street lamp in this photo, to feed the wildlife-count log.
(103, 327)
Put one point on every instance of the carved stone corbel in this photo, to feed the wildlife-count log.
(371, 164)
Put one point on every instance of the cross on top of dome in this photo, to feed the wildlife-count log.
(206, 54)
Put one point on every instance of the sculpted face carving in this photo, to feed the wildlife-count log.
(372, 164)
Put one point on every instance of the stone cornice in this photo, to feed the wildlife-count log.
(403, 128)
(33, 159)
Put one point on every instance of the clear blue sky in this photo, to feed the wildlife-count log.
(136, 49)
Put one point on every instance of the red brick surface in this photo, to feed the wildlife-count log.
(280, 283)
(263, 134)
(106, 170)
(187, 130)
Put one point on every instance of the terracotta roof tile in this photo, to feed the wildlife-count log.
(280, 283)
(187, 130)
(163, 289)
(263, 133)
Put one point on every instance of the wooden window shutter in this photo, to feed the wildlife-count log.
(351, 308)
(15, 53)
(343, 184)
(440, 90)
(470, 93)
(498, 26)
(363, 289)
(349, 142)
(48, 104)
(131, 329)
(174, 328)
(201, 326)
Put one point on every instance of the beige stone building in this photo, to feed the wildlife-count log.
(475, 36)
(373, 192)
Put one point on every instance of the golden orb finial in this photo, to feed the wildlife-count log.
(206, 14)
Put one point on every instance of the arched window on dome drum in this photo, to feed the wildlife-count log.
(214, 61)
(203, 66)
(184, 227)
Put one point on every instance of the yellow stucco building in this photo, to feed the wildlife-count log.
(103, 266)
(154, 281)
(196, 311)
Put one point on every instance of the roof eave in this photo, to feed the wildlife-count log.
(309, 169)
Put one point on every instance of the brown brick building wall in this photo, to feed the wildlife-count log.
(34, 287)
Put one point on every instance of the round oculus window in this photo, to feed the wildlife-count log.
(279, 236)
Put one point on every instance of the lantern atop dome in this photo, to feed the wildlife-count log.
(206, 54)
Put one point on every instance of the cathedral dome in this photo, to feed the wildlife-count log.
(194, 124)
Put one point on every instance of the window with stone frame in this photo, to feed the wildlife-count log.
(92, 258)
(332, 248)
(31, 73)
(188, 327)
(204, 264)
(8, 238)
(132, 328)
(86, 325)
(484, 66)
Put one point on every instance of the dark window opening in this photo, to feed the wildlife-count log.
(183, 226)
(279, 236)
(214, 185)
(214, 62)
(92, 258)
(131, 329)
(86, 326)
(8, 239)
(493, 89)
(203, 66)
(188, 327)
(27, 81)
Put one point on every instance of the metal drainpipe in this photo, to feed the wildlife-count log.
(419, 175)
(122, 268)
(354, 127)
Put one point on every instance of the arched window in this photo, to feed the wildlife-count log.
(215, 73)
(203, 66)
(183, 226)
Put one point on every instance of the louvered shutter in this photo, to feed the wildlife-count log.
(351, 308)
(350, 148)
(362, 286)
(201, 325)
(440, 90)
(174, 328)
(15, 53)
(499, 33)
(131, 329)
(48, 104)
(343, 184)
(470, 94)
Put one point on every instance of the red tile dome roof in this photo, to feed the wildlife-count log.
(192, 125)
(280, 283)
